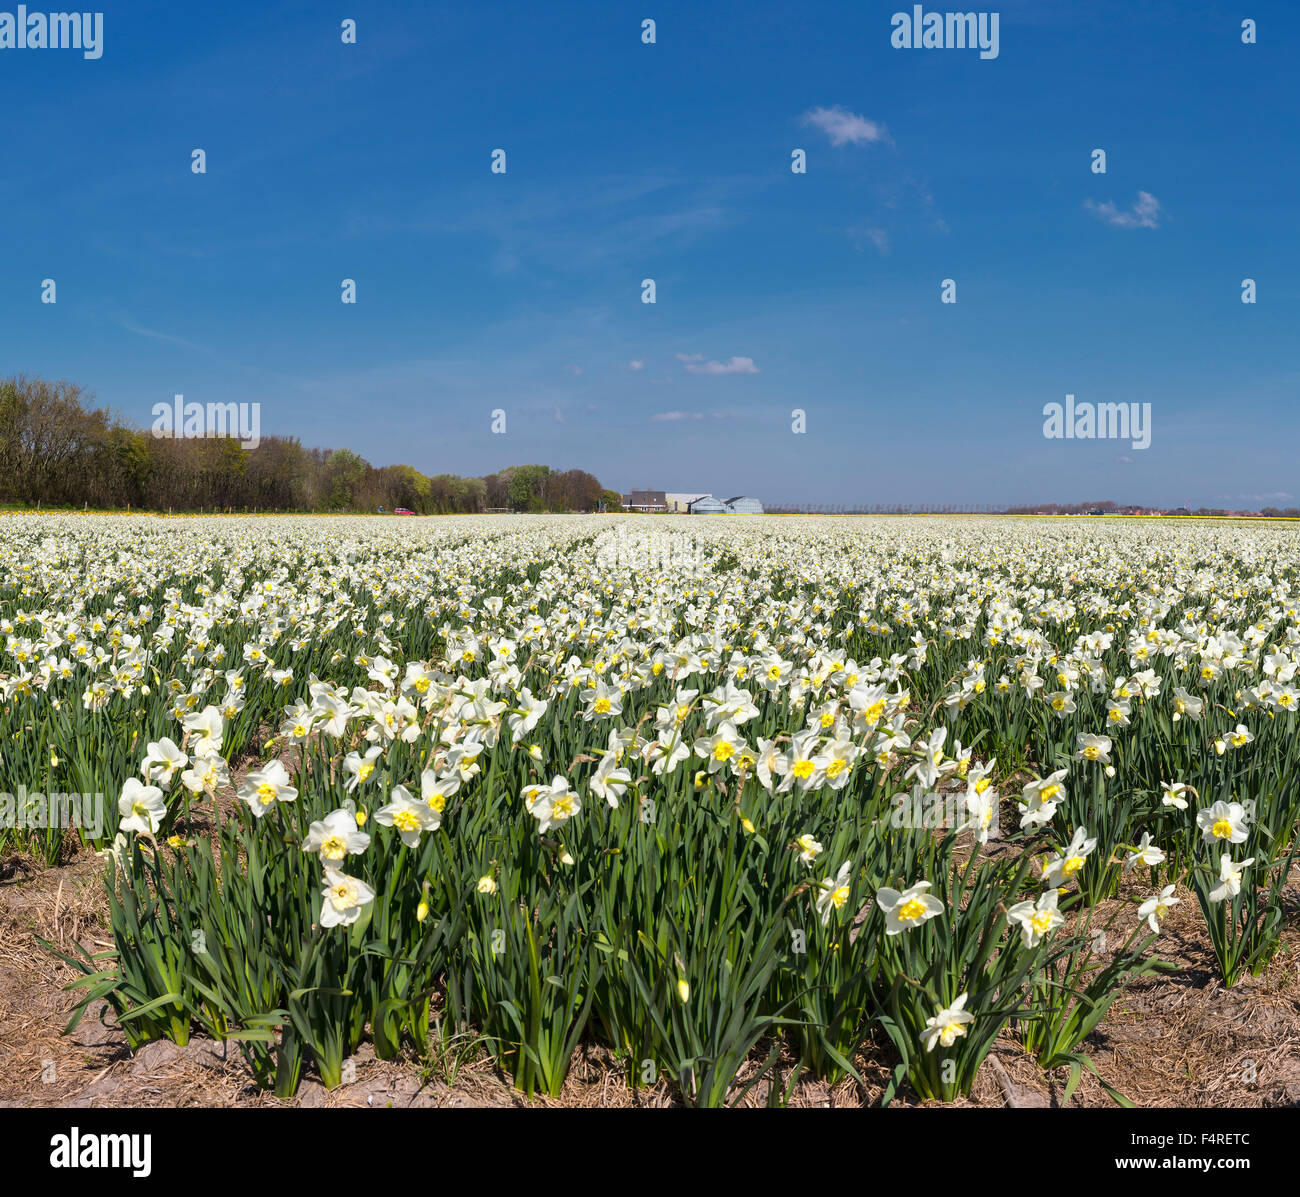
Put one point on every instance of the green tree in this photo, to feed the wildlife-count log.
(526, 487)
(345, 471)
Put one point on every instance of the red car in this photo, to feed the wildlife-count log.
(402, 511)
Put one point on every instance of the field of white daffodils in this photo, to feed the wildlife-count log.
(730, 798)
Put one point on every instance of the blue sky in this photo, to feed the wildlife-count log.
(671, 161)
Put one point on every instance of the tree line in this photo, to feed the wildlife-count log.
(58, 450)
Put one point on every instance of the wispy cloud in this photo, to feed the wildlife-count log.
(905, 192)
(736, 365)
(155, 335)
(610, 220)
(860, 235)
(660, 417)
(636, 364)
(1276, 496)
(574, 370)
(1145, 214)
(846, 128)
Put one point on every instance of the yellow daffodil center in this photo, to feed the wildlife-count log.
(343, 896)
(911, 910)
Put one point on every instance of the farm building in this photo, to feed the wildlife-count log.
(708, 505)
(680, 504)
(645, 500)
(738, 505)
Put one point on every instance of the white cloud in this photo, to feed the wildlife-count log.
(737, 365)
(574, 370)
(689, 357)
(661, 416)
(1145, 214)
(846, 128)
(636, 364)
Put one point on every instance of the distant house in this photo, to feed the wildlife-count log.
(680, 504)
(744, 505)
(645, 500)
